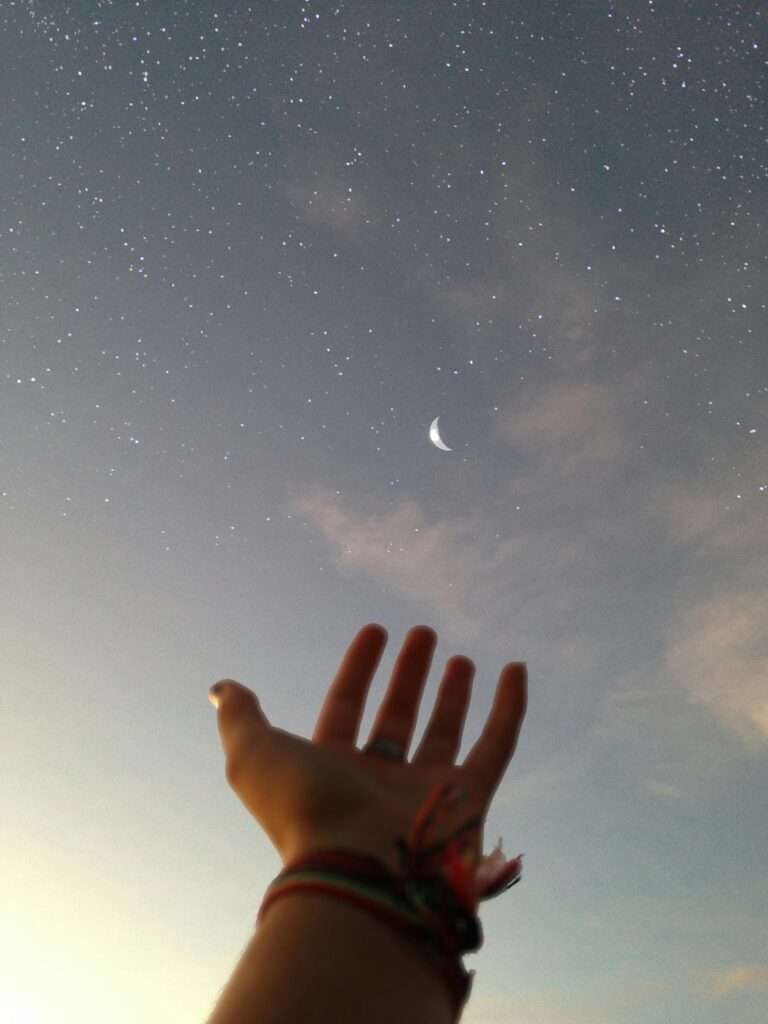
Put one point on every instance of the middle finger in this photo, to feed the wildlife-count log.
(397, 715)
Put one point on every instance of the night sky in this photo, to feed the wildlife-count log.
(248, 254)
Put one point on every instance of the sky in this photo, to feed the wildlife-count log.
(248, 254)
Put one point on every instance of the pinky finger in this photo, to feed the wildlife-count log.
(489, 758)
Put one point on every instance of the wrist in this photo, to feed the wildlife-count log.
(419, 921)
(381, 845)
(351, 965)
(371, 949)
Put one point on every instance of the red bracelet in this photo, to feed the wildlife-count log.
(436, 907)
(368, 889)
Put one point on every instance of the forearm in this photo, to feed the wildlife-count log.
(317, 959)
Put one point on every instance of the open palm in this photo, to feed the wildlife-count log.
(326, 793)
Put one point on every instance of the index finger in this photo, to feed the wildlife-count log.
(342, 709)
(488, 759)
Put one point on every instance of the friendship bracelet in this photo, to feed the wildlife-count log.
(376, 903)
(436, 908)
(424, 907)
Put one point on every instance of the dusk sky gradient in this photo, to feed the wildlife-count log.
(248, 253)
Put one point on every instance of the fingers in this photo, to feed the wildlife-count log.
(442, 737)
(397, 715)
(240, 720)
(342, 709)
(489, 757)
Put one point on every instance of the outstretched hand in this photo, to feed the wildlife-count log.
(326, 793)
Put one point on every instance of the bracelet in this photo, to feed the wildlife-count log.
(436, 908)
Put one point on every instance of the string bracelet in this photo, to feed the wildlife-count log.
(434, 901)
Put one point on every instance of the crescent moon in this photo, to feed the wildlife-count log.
(434, 436)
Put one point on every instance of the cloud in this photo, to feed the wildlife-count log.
(716, 646)
(710, 514)
(596, 505)
(490, 1010)
(726, 981)
(713, 651)
(577, 424)
(327, 199)
(546, 301)
(553, 780)
(667, 790)
(717, 651)
(459, 568)
(622, 993)
(538, 284)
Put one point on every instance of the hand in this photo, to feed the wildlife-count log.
(328, 794)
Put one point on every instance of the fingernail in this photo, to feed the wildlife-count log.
(214, 693)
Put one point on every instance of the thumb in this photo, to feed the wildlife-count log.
(239, 712)
(226, 690)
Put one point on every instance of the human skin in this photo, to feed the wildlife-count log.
(325, 794)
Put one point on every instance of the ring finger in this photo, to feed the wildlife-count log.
(442, 737)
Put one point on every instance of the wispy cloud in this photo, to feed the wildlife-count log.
(476, 583)
(327, 198)
(719, 983)
(710, 513)
(571, 426)
(621, 994)
(667, 790)
(716, 650)
(716, 646)
(576, 446)
(530, 1011)
(547, 301)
